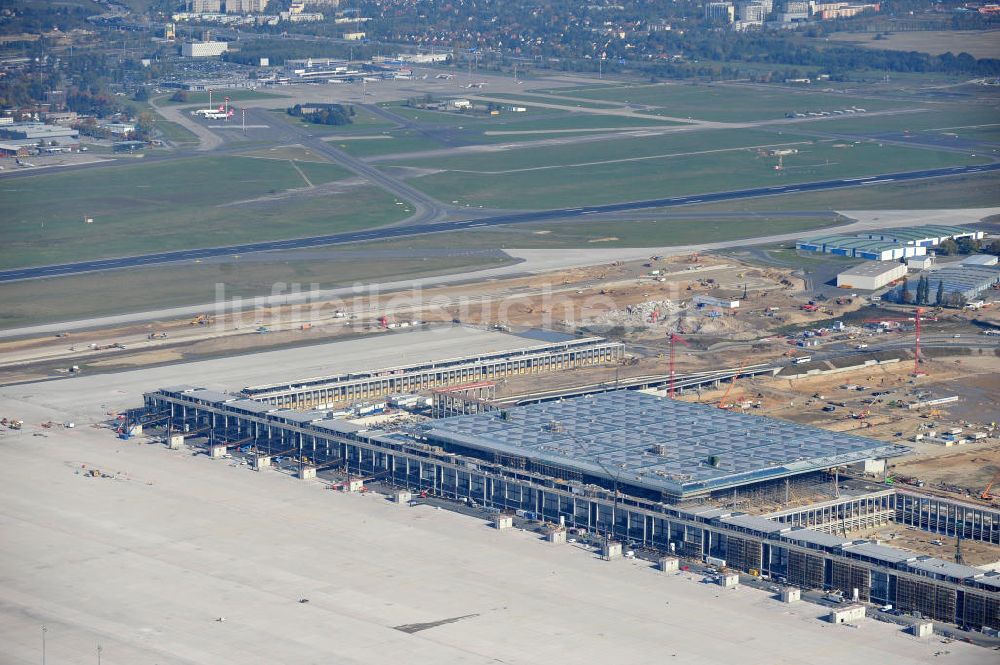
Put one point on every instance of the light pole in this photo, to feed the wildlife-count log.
(99, 650)
(44, 630)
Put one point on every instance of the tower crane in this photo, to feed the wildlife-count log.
(674, 337)
(916, 348)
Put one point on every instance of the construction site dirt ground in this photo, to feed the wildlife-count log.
(942, 547)
(599, 297)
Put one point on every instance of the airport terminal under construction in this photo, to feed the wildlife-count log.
(633, 466)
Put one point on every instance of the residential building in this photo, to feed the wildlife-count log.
(204, 6)
(720, 12)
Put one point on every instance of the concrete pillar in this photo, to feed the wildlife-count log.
(402, 496)
(611, 550)
(175, 441)
(352, 485)
(791, 595)
(556, 536)
(307, 472)
(216, 452)
(502, 522)
(922, 629)
(262, 462)
(668, 564)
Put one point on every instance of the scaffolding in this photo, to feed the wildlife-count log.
(929, 599)
(806, 570)
(847, 577)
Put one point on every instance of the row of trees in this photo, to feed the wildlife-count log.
(923, 294)
(951, 247)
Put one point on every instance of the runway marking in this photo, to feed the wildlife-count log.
(629, 159)
(296, 167)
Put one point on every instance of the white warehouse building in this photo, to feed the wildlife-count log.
(871, 276)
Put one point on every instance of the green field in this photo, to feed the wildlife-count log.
(445, 118)
(606, 151)
(729, 103)
(287, 152)
(578, 121)
(176, 134)
(665, 232)
(653, 167)
(178, 204)
(971, 191)
(931, 119)
(104, 294)
(395, 142)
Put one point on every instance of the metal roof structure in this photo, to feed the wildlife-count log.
(870, 551)
(927, 232)
(211, 396)
(989, 580)
(941, 568)
(669, 446)
(852, 242)
(968, 280)
(872, 269)
(821, 539)
(761, 525)
(980, 260)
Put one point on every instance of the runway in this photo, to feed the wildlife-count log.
(419, 229)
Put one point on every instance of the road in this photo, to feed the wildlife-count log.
(430, 208)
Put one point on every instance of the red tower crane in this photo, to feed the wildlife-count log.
(916, 347)
(674, 337)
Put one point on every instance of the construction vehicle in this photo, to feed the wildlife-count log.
(722, 402)
(985, 495)
(156, 335)
(201, 320)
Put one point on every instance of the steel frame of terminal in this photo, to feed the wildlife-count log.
(927, 513)
(411, 464)
(326, 392)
